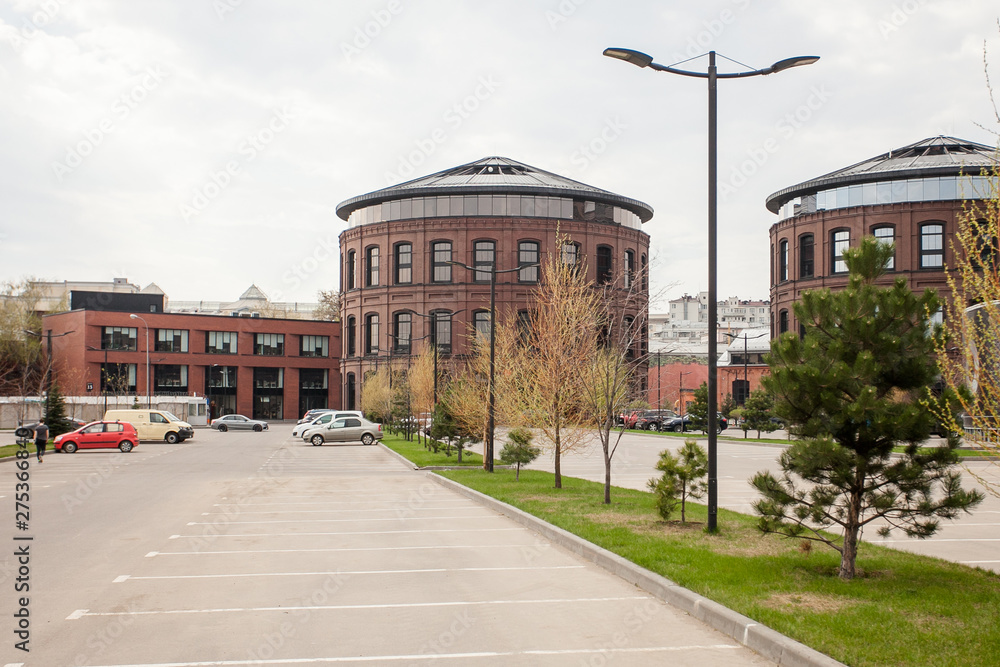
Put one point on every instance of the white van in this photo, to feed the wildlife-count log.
(154, 424)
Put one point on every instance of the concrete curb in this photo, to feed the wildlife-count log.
(759, 638)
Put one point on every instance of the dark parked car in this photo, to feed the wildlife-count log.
(681, 424)
(652, 420)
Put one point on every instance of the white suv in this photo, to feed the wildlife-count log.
(323, 420)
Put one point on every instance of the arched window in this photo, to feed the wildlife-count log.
(604, 267)
(782, 321)
(643, 269)
(352, 391)
(571, 254)
(352, 336)
(807, 256)
(402, 331)
(483, 260)
(351, 269)
(371, 333)
(440, 258)
(783, 261)
(840, 240)
(527, 254)
(404, 263)
(932, 246)
(629, 268)
(371, 266)
(886, 234)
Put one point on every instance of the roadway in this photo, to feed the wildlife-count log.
(252, 548)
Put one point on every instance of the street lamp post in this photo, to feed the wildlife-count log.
(133, 316)
(746, 380)
(643, 60)
(491, 400)
(434, 317)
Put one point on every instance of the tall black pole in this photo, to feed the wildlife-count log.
(713, 322)
(488, 459)
(746, 381)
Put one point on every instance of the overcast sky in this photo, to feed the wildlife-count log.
(204, 144)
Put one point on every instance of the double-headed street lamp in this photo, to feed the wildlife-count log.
(746, 380)
(643, 60)
(491, 400)
(133, 316)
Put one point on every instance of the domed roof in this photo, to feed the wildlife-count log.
(494, 175)
(936, 156)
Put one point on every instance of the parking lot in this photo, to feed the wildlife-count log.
(253, 548)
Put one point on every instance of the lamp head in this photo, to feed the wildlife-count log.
(637, 58)
(133, 316)
(796, 61)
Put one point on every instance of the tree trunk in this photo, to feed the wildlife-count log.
(849, 556)
(558, 468)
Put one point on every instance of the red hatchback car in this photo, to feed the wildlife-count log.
(97, 435)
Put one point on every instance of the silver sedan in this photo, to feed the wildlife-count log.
(236, 422)
(345, 429)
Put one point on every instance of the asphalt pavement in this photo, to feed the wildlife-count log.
(253, 548)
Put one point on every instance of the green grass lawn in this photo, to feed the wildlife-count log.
(902, 610)
(420, 456)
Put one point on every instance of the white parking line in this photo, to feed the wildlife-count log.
(436, 656)
(80, 613)
(401, 506)
(956, 539)
(351, 532)
(366, 519)
(153, 554)
(128, 577)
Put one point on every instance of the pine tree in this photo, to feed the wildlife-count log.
(757, 412)
(856, 385)
(55, 412)
(679, 480)
(698, 410)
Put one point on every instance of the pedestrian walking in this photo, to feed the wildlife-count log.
(41, 438)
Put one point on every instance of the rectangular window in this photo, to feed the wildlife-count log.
(441, 334)
(352, 336)
(120, 338)
(527, 255)
(351, 268)
(221, 377)
(932, 246)
(171, 340)
(840, 241)
(221, 342)
(570, 254)
(315, 346)
(314, 378)
(404, 264)
(484, 257)
(886, 235)
(629, 268)
(170, 378)
(603, 264)
(402, 331)
(269, 345)
(441, 251)
(118, 378)
(371, 334)
(268, 378)
(806, 256)
(481, 321)
(371, 266)
(783, 261)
